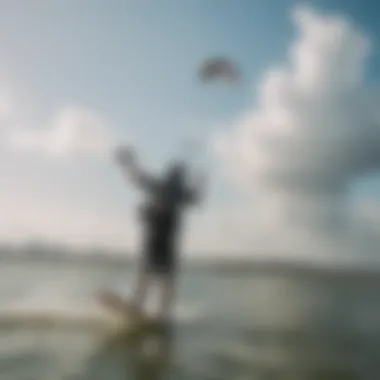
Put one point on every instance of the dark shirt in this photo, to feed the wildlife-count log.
(165, 201)
(165, 204)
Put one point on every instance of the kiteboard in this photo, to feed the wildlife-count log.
(132, 320)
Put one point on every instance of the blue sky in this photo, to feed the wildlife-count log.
(134, 63)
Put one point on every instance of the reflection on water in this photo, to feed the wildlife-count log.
(141, 355)
(242, 354)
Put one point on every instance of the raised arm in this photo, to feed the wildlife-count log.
(194, 195)
(127, 162)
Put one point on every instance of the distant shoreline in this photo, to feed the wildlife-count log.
(35, 252)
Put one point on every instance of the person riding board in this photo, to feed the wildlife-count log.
(166, 200)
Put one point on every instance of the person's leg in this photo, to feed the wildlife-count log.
(141, 289)
(167, 282)
(167, 285)
(148, 265)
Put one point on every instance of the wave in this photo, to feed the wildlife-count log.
(56, 319)
(85, 321)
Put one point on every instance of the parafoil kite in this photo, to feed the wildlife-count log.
(219, 69)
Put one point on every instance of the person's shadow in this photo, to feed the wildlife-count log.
(143, 355)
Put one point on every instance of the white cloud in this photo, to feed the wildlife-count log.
(74, 131)
(7, 110)
(314, 131)
(25, 218)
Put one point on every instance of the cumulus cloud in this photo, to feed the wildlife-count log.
(74, 131)
(314, 131)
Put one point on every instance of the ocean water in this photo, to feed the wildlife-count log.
(229, 325)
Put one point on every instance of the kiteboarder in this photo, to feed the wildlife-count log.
(166, 200)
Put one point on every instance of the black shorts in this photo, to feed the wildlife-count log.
(159, 251)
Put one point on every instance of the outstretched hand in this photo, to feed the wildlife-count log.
(125, 156)
(200, 180)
